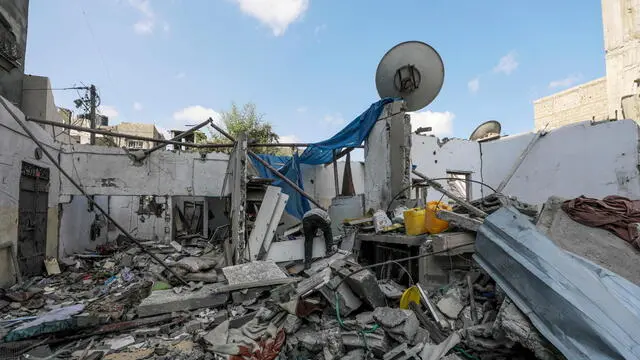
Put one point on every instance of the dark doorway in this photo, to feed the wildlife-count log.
(32, 219)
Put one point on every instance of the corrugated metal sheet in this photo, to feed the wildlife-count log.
(586, 311)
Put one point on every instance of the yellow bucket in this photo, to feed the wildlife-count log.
(433, 225)
(415, 221)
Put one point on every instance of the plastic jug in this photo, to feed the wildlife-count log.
(432, 224)
(415, 221)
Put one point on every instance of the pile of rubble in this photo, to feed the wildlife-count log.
(119, 303)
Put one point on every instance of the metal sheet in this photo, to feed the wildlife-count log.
(586, 311)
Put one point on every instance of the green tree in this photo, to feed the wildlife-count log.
(247, 119)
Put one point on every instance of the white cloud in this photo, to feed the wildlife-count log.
(137, 106)
(196, 114)
(147, 23)
(474, 85)
(302, 109)
(440, 122)
(276, 14)
(507, 64)
(289, 139)
(334, 119)
(566, 82)
(144, 27)
(319, 29)
(108, 111)
(180, 75)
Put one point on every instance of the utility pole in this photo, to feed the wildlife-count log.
(92, 113)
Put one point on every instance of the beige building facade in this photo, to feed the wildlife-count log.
(602, 99)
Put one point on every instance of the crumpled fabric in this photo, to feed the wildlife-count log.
(616, 214)
(268, 349)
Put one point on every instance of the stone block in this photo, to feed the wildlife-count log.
(167, 301)
(348, 301)
(450, 306)
(376, 341)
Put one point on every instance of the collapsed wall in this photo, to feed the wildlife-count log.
(588, 159)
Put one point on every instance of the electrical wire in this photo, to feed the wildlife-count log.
(421, 182)
(398, 260)
(58, 89)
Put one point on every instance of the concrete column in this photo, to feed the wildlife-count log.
(387, 168)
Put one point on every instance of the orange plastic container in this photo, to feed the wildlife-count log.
(415, 221)
(432, 224)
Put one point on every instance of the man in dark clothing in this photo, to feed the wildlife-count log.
(313, 220)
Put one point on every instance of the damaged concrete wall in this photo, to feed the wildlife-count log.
(139, 220)
(111, 171)
(436, 160)
(82, 227)
(319, 180)
(579, 159)
(15, 148)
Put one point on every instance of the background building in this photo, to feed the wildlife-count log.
(603, 98)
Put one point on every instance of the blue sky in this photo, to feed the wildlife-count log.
(309, 65)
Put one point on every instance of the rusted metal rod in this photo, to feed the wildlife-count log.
(465, 204)
(161, 141)
(91, 201)
(274, 170)
(182, 135)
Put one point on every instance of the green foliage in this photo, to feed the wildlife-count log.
(199, 137)
(246, 119)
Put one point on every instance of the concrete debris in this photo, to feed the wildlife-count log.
(196, 264)
(403, 352)
(450, 305)
(116, 303)
(253, 272)
(401, 325)
(167, 301)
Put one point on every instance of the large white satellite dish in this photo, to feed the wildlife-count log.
(413, 71)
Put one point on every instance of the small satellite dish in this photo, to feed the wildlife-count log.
(413, 71)
(487, 129)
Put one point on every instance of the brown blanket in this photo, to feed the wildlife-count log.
(616, 214)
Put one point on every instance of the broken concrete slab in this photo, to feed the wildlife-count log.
(253, 272)
(197, 264)
(167, 301)
(208, 277)
(450, 305)
(453, 243)
(347, 300)
(376, 341)
(363, 282)
(218, 335)
(459, 220)
(401, 325)
(391, 289)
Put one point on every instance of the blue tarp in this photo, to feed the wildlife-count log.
(319, 153)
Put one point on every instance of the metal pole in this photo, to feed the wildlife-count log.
(162, 141)
(114, 134)
(274, 170)
(92, 113)
(463, 203)
(335, 173)
(184, 134)
(91, 201)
